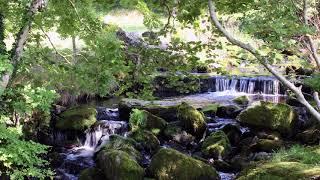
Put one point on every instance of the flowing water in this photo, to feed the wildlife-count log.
(220, 89)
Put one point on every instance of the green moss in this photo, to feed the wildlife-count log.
(117, 164)
(91, 174)
(279, 117)
(77, 118)
(172, 130)
(127, 145)
(146, 138)
(210, 109)
(242, 100)
(169, 164)
(216, 145)
(145, 120)
(191, 120)
(281, 171)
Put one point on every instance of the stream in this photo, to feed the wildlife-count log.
(75, 158)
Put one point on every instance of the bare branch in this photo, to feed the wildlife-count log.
(316, 98)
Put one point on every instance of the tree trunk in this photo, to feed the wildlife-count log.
(20, 41)
(263, 60)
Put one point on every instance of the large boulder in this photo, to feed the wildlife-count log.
(210, 110)
(241, 100)
(281, 170)
(142, 119)
(169, 164)
(280, 117)
(165, 110)
(228, 111)
(117, 164)
(146, 139)
(191, 120)
(77, 118)
(216, 145)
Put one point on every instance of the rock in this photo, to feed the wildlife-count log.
(223, 166)
(127, 145)
(216, 145)
(171, 130)
(233, 133)
(239, 162)
(310, 136)
(280, 117)
(228, 111)
(143, 119)
(261, 156)
(147, 140)
(77, 118)
(281, 170)
(91, 174)
(242, 100)
(191, 120)
(169, 164)
(117, 164)
(165, 110)
(266, 145)
(183, 138)
(210, 110)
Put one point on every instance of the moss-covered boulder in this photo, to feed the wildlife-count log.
(146, 139)
(281, 171)
(127, 145)
(280, 117)
(169, 164)
(77, 118)
(142, 119)
(241, 100)
(210, 110)
(216, 145)
(191, 120)
(91, 174)
(309, 136)
(117, 164)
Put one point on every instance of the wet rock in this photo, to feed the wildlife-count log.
(261, 156)
(233, 133)
(191, 120)
(310, 136)
(146, 139)
(239, 162)
(280, 170)
(169, 164)
(242, 100)
(228, 111)
(117, 164)
(210, 110)
(77, 118)
(223, 166)
(91, 174)
(280, 117)
(216, 145)
(107, 114)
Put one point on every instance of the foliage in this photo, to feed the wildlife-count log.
(313, 82)
(20, 158)
(137, 119)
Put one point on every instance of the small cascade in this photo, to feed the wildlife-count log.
(80, 157)
(252, 85)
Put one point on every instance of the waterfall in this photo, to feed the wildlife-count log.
(250, 85)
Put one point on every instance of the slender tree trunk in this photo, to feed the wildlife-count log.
(20, 41)
(263, 60)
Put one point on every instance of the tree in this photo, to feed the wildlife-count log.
(264, 60)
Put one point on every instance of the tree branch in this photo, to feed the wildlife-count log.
(78, 15)
(263, 60)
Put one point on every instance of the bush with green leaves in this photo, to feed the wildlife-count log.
(20, 159)
(313, 82)
(137, 119)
